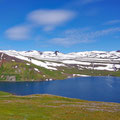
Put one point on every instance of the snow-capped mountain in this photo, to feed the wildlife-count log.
(98, 60)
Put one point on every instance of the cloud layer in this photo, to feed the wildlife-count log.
(76, 36)
(112, 22)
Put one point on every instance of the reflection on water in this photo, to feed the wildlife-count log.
(86, 88)
(109, 81)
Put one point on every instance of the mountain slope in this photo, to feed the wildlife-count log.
(35, 65)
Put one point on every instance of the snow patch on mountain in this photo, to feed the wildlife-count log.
(98, 60)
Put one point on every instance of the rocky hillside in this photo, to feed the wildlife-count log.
(36, 65)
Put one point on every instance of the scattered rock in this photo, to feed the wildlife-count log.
(11, 78)
(13, 60)
(36, 69)
(16, 66)
(27, 64)
(2, 76)
(44, 75)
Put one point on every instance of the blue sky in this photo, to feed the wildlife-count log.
(63, 25)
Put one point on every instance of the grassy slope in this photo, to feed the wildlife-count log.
(47, 107)
(25, 72)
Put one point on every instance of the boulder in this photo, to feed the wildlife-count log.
(11, 78)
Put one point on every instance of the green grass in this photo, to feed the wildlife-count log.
(48, 107)
(25, 72)
(4, 93)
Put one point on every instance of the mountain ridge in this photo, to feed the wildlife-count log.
(51, 65)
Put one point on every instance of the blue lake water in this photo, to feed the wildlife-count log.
(87, 88)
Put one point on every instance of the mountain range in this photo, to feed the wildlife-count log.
(49, 65)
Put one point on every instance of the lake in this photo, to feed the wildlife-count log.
(105, 89)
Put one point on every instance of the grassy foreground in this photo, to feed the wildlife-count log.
(48, 107)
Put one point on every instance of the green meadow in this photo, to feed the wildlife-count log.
(49, 107)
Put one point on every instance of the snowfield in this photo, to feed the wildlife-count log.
(98, 60)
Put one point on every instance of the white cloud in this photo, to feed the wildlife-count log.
(50, 18)
(89, 1)
(112, 22)
(81, 2)
(18, 33)
(77, 36)
(104, 32)
(71, 37)
(48, 28)
(63, 41)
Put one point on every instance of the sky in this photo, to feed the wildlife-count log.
(62, 25)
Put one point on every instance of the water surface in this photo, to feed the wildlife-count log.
(87, 88)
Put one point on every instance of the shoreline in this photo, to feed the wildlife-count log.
(56, 96)
(48, 80)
